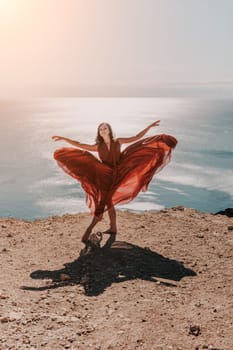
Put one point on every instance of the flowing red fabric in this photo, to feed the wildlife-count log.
(117, 177)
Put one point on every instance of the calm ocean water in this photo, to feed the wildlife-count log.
(200, 174)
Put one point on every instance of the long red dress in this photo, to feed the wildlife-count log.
(118, 176)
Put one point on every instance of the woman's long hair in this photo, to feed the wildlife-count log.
(99, 138)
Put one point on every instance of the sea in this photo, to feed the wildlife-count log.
(200, 174)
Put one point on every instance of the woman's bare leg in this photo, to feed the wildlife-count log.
(112, 217)
(113, 228)
(90, 228)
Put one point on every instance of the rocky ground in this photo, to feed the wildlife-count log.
(165, 283)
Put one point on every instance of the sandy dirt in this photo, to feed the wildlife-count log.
(165, 283)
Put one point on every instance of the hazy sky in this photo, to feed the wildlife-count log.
(102, 46)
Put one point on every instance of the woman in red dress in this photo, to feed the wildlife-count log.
(116, 177)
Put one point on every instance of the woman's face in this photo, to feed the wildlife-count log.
(104, 130)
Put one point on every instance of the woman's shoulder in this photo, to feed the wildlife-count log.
(119, 140)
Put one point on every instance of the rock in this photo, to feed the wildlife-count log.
(179, 207)
(228, 212)
(3, 295)
(12, 316)
(5, 319)
(64, 277)
(195, 330)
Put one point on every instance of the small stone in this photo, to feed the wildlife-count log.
(2, 295)
(179, 207)
(5, 319)
(64, 277)
(230, 228)
(26, 340)
(198, 304)
(195, 330)
(43, 344)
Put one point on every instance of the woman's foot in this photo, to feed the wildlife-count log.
(89, 229)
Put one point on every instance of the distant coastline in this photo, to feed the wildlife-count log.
(215, 89)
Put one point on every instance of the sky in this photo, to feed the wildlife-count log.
(114, 47)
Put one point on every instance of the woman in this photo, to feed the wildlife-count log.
(118, 176)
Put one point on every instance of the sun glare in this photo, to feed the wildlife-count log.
(8, 6)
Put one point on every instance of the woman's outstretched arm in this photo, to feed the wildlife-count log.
(85, 146)
(139, 135)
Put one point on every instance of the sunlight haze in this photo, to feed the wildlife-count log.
(113, 47)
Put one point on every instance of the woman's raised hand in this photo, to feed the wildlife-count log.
(156, 123)
(57, 138)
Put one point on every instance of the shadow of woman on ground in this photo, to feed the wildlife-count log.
(121, 261)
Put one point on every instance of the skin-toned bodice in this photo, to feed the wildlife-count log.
(110, 157)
